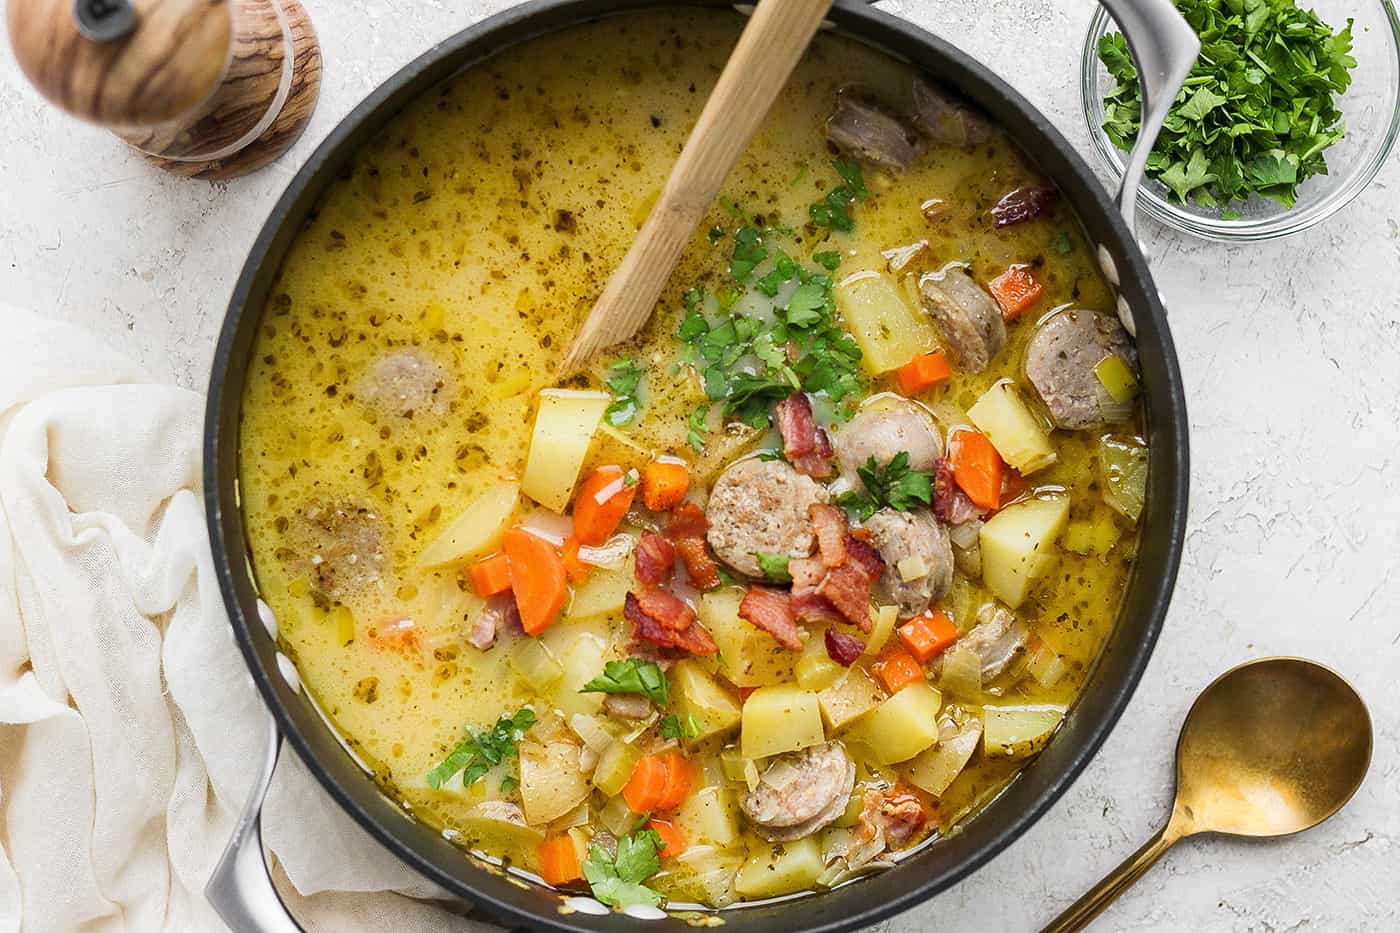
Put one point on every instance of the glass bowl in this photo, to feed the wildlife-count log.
(1370, 109)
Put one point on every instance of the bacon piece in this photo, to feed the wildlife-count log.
(500, 618)
(655, 555)
(843, 648)
(950, 504)
(771, 611)
(829, 523)
(810, 606)
(687, 521)
(895, 812)
(847, 588)
(686, 530)
(665, 607)
(806, 572)
(805, 445)
(863, 555)
(692, 638)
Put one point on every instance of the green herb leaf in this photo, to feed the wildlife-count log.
(697, 429)
(896, 485)
(478, 753)
(617, 881)
(857, 503)
(775, 567)
(828, 259)
(749, 251)
(632, 676)
(673, 727)
(623, 380)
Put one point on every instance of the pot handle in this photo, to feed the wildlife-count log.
(1164, 49)
(240, 889)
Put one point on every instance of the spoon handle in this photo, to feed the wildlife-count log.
(777, 34)
(1079, 914)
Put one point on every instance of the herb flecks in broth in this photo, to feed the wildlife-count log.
(668, 618)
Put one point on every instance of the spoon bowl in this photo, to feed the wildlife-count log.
(1270, 748)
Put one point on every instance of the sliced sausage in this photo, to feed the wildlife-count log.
(998, 638)
(902, 535)
(801, 793)
(761, 507)
(946, 118)
(870, 134)
(1060, 361)
(627, 706)
(405, 382)
(884, 432)
(342, 544)
(966, 315)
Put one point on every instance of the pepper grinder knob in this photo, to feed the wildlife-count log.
(203, 88)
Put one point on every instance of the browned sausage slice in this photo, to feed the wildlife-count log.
(1060, 361)
(761, 507)
(801, 792)
(899, 536)
(969, 320)
(870, 134)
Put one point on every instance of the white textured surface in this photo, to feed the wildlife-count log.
(1289, 351)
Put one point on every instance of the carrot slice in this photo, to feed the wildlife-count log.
(673, 841)
(923, 372)
(977, 467)
(927, 634)
(537, 578)
(1015, 290)
(559, 860)
(602, 500)
(490, 576)
(647, 786)
(897, 669)
(664, 483)
(679, 775)
(576, 570)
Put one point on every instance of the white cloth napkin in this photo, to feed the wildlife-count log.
(129, 728)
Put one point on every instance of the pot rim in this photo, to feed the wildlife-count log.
(1167, 500)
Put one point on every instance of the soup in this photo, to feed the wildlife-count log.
(784, 588)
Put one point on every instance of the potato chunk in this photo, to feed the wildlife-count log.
(886, 329)
(902, 726)
(1018, 546)
(851, 696)
(551, 783)
(780, 719)
(780, 869)
(1017, 434)
(750, 657)
(700, 697)
(477, 530)
(563, 431)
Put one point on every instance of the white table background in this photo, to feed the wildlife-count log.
(1291, 356)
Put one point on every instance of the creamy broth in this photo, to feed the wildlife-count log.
(467, 240)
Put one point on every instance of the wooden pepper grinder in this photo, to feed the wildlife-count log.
(203, 88)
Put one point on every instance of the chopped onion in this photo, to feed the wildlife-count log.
(961, 675)
(864, 852)
(547, 525)
(965, 534)
(593, 733)
(900, 256)
(611, 555)
(912, 568)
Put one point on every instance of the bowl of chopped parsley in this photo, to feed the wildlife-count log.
(1288, 114)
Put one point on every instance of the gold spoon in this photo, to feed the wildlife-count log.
(1272, 747)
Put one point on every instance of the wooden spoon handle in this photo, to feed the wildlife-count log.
(777, 34)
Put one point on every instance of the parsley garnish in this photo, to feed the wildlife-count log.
(1062, 244)
(834, 210)
(749, 251)
(618, 881)
(672, 727)
(624, 379)
(828, 259)
(894, 485)
(479, 753)
(632, 676)
(775, 567)
(1258, 108)
(696, 429)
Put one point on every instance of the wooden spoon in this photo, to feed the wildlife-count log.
(777, 34)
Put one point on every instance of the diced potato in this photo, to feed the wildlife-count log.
(1018, 545)
(780, 719)
(535, 663)
(780, 869)
(876, 313)
(710, 816)
(602, 594)
(583, 655)
(700, 697)
(563, 431)
(723, 445)
(614, 767)
(1018, 731)
(851, 696)
(815, 670)
(901, 726)
(749, 657)
(1014, 431)
(936, 768)
(551, 783)
(885, 619)
(477, 530)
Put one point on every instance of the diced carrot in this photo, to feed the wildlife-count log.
(673, 841)
(647, 787)
(897, 669)
(576, 570)
(536, 577)
(977, 467)
(664, 483)
(601, 502)
(923, 372)
(490, 576)
(559, 860)
(679, 775)
(1015, 290)
(927, 634)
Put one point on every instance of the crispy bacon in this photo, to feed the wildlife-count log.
(655, 556)
(829, 523)
(806, 572)
(665, 607)
(950, 504)
(863, 555)
(1021, 204)
(687, 521)
(805, 445)
(895, 812)
(847, 588)
(686, 530)
(810, 606)
(843, 648)
(692, 638)
(770, 610)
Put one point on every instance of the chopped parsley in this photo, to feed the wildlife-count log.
(894, 486)
(749, 251)
(479, 753)
(632, 676)
(696, 429)
(673, 727)
(1062, 244)
(834, 210)
(828, 259)
(774, 567)
(617, 881)
(624, 379)
(1257, 111)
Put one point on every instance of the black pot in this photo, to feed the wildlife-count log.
(239, 888)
